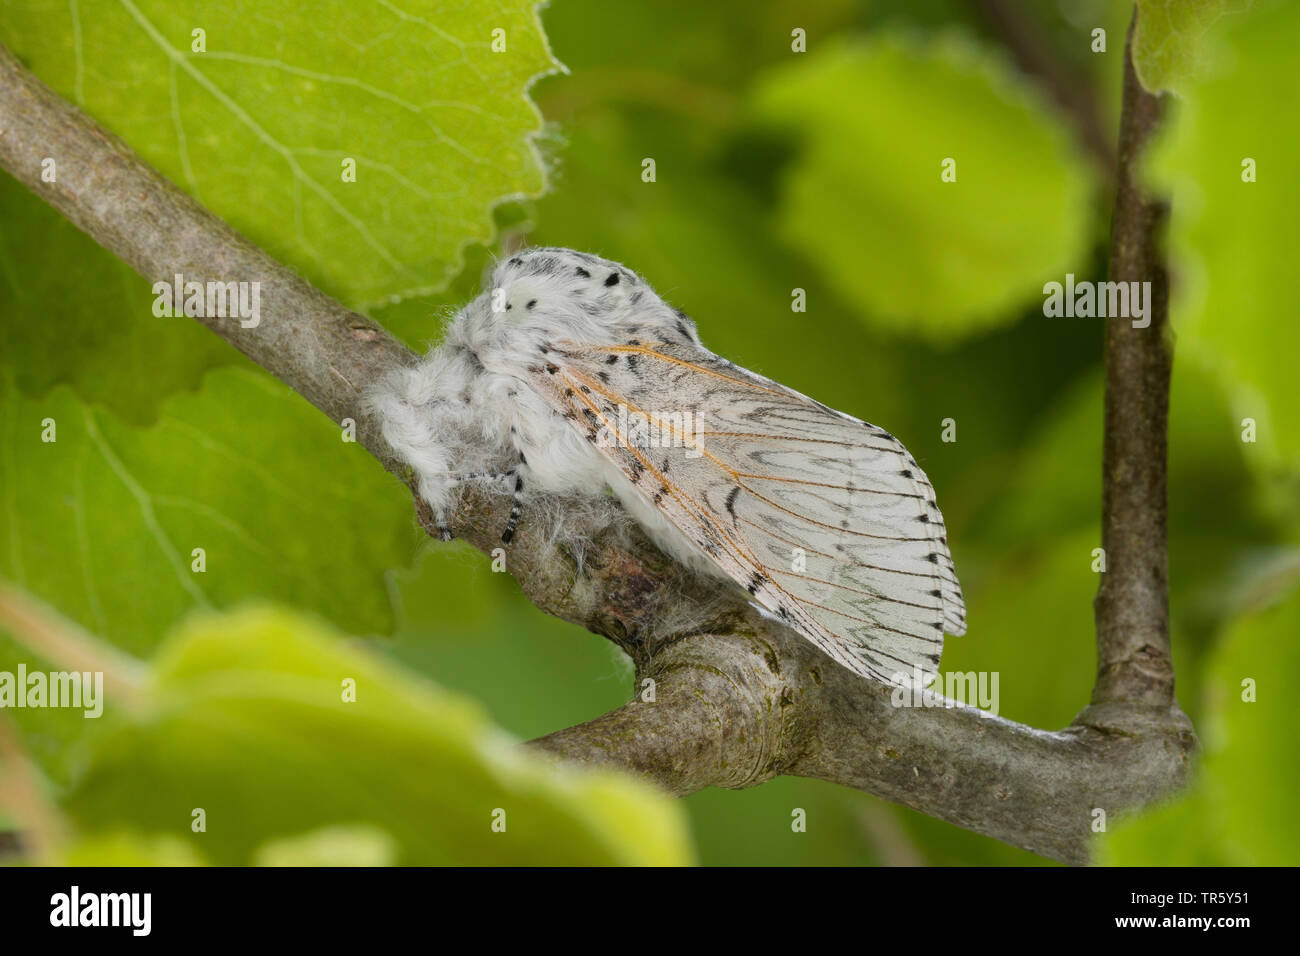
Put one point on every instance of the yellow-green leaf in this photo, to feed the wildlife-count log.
(1230, 163)
(868, 203)
(1171, 36)
(256, 108)
(272, 726)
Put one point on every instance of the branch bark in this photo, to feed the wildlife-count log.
(738, 698)
(1132, 606)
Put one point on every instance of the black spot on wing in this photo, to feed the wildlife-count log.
(731, 503)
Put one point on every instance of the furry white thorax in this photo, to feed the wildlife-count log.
(467, 408)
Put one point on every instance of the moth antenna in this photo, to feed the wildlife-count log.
(481, 475)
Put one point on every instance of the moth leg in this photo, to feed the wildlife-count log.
(516, 508)
(517, 503)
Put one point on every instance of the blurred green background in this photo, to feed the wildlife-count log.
(774, 170)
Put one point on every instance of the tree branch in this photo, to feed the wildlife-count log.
(1132, 606)
(737, 698)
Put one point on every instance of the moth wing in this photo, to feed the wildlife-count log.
(827, 521)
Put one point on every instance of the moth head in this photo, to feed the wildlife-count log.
(552, 293)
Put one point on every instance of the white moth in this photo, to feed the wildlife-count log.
(572, 372)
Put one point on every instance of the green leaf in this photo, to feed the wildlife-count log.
(125, 848)
(1232, 240)
(1171, 37)
(1030, 623)
(1053, 485)
(70, 312)
(358, 845)
(258, 126)
(866, 204)
(641, 53)
(459, 621)
(245, 717)
(1242, 809)
(1252, 764)
(103, 522)
(1177, 833)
